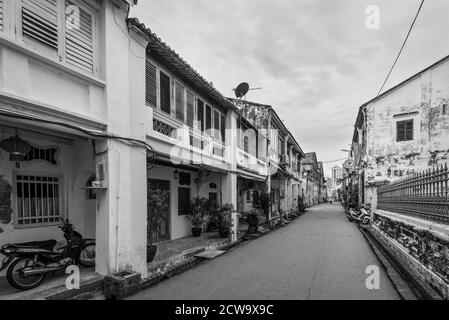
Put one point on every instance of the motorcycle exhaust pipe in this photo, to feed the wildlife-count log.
(34, 272)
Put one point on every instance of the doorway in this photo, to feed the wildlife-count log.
(159, 191)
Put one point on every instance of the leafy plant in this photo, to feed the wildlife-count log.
(157, 204)
(198, 211)
(224, 215)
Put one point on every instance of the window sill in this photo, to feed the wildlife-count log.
(52, 62)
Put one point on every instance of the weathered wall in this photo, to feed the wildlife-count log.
(424, 99)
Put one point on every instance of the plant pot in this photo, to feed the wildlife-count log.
(151, 253)
(223, 231)
(196, 231)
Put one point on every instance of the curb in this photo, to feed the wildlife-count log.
(403, 279)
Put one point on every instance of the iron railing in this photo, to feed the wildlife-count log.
(424, 195)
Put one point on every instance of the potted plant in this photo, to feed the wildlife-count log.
(224, 219)
(197, 214)
(157, 204)
(253, 217)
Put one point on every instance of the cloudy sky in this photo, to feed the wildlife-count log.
(315, 59)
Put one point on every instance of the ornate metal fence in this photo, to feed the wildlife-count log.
(424, 195)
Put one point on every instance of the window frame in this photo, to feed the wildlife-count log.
(62, 187)
(187, 89)
(404, 137)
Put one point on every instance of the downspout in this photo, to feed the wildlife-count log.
(117, 223)
(269, 164)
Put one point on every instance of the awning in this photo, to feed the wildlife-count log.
(250, 177)
(165, 160)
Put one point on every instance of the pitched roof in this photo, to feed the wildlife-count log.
(169, 58)
(277, 119)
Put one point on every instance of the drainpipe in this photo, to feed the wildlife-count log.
(269, 163)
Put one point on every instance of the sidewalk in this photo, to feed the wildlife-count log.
(50, 286)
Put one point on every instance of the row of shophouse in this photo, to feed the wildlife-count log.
(95, 110)
(400, 152)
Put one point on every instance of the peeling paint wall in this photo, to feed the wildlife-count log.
(424, 100)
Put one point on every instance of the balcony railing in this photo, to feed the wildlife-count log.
(250, 162)
(174, 131)
(423, 195)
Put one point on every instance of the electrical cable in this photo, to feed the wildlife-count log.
(398, 55)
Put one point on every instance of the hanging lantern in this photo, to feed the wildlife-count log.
(16, 147)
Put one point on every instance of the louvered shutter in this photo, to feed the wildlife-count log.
(150, 85)
(164, 82)
(39, 21)
(208, 118)
(409, 130)
(253, 142)
(179, 100)
(190, 109)
(79, 42)
(216, 124)
(223, 128)
(200, 114)
(400, 131)
(1, 15)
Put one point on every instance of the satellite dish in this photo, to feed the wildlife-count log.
(241, 90)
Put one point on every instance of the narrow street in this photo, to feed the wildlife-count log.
(318, 256)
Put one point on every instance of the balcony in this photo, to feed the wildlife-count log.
(172, 137)
(251, 163)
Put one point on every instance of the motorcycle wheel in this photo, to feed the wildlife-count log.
(17, 280)
(87, 256)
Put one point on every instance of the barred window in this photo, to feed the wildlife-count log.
(38, 200)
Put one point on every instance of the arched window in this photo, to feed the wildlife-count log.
(246, 144)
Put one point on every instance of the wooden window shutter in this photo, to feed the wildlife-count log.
(79, 42)
(216, 124)
(1, 15)
(208, 117)
(223, 128)
(253, 143)
(409, 130)
(200, 114)
(404, 130)
(179, 100)
(40, 22)
(164, 82)
(190, 109)
(183, 200)
(150, 85)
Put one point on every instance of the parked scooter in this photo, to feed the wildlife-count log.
(361, 216)
(30, 262)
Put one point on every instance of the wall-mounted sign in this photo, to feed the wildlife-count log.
(348, 164)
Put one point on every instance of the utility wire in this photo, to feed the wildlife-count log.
(398, 55)
(335, 160)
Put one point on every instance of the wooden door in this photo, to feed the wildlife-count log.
(158, 216)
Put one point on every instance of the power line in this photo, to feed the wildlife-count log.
(335, 160)
(398, 55)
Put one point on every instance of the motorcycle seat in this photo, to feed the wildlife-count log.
(47, 244)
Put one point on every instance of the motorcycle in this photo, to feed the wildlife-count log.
(361, 216)
(29, 263)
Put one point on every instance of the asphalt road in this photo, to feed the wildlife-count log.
(318, 256)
